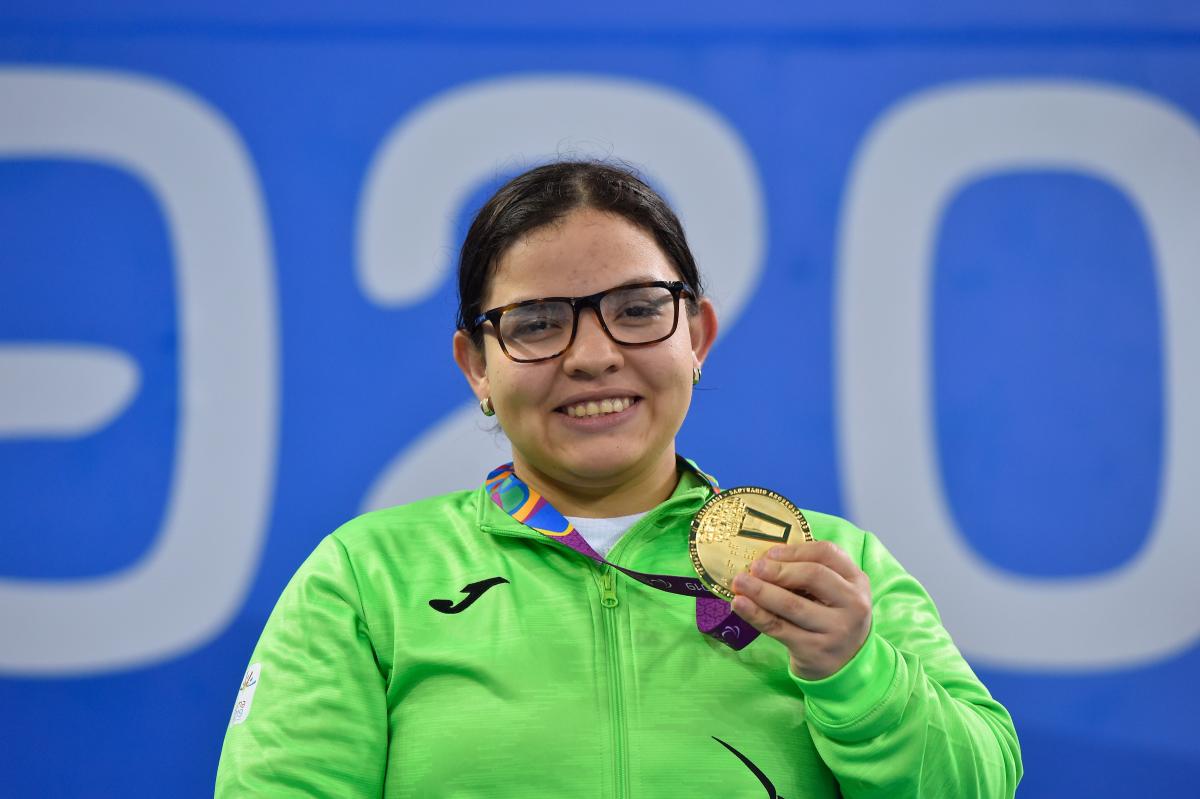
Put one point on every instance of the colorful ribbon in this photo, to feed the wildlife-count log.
(714, 616)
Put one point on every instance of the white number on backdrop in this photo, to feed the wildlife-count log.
(913, 162)
(431, 160)
(194, 577)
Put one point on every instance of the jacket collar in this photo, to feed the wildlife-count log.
(692, 490)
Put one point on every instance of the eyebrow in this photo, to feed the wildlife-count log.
(646, 278)
(642, 279)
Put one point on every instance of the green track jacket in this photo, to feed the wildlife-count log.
(544, 674)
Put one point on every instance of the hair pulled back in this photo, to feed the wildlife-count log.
(548, 193)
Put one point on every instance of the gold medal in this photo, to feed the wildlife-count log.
(735, 528)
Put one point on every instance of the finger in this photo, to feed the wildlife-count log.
(813, 579)
(768, 623)
(789, 606)
(825, 552)
(762, 620)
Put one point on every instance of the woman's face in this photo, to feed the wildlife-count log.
(538, 404)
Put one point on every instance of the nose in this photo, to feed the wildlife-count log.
(592, 353)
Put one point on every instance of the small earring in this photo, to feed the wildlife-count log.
(695, 375)
(485, 407)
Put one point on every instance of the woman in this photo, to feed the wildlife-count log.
(468, 645)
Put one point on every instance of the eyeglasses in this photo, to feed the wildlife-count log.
(632, 315)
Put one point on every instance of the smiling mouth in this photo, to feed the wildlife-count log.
(603, 407)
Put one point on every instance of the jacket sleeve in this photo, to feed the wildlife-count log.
(316, 722)
(906, 717)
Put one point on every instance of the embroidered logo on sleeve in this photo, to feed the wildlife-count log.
(245, 697)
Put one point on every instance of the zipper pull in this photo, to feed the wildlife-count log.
(608, 588)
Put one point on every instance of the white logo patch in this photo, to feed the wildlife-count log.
(245, 697)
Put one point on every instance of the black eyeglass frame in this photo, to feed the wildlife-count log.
(677, 288)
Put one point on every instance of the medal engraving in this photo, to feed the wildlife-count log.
(735, 528)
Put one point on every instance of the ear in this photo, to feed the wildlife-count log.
(703, 327)
(470, 360)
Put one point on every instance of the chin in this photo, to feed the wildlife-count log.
(602, 466)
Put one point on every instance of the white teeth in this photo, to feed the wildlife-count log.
(597, 408)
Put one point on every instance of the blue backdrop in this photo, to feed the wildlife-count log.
(954, 250)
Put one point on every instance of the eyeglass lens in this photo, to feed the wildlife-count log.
(637, 315)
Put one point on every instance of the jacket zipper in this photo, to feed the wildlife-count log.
(609, 601)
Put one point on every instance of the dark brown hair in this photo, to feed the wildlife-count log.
(548, 193)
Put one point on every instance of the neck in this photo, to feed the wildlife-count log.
(600, 497)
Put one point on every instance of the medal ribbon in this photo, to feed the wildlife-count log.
(714, 616)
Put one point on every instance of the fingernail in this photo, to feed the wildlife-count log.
(758, 567)
(775, 552)
(743, 582)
